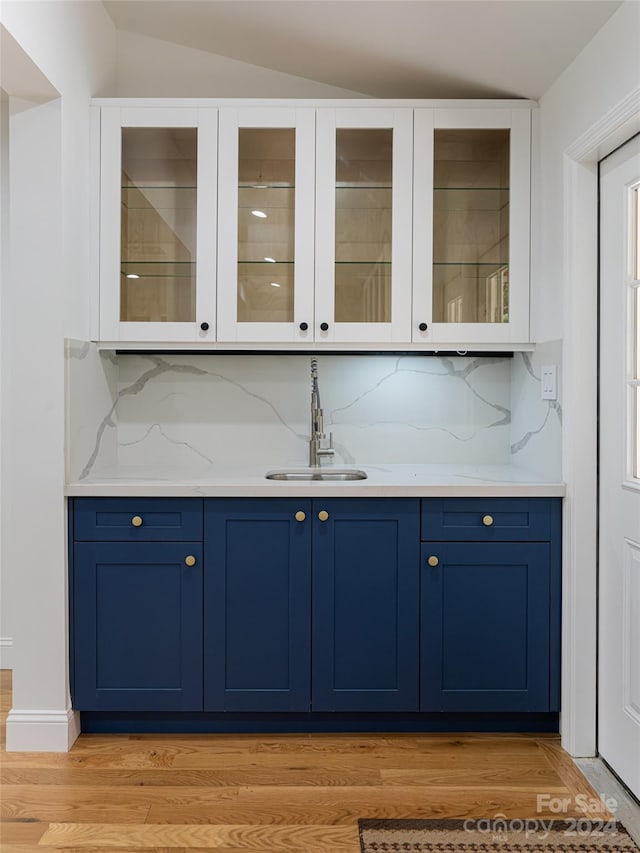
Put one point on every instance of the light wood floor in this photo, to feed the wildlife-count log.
(266, 793)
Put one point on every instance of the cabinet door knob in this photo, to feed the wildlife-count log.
(423, 327)
(190, 560)
(204, 327)
(303, 327)
(324, 327)
(433, 561)
(136, 521)
(300, 516)
(487, 520)
(323, 515)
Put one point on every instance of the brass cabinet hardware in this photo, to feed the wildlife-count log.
(190, 561)
(300, 516)
(487, 520)
(323, 515)
(433, 561)
(136, 521)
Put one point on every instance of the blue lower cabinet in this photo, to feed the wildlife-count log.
(137, 626)
(485, 626)
(365, 605)
(290, 606)
(257, 600)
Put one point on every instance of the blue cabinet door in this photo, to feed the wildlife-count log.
(137, 626)
(257, 594)
(365, 605)
(485, 621)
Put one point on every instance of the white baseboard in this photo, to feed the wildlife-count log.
(42, 731)
(6, 652)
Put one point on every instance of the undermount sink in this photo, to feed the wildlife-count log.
(329, 474)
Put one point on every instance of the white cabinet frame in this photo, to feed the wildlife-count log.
(517, 329)
(113, 119)
(401, 122)
(303, 121)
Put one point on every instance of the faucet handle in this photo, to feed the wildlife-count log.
(328, 450)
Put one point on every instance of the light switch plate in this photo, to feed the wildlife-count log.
(549, 385)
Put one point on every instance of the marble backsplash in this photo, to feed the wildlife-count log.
(193, 411)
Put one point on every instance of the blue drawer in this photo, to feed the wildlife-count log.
(138, 519)
(486, 519)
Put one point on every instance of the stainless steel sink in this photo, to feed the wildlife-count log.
(328, 474)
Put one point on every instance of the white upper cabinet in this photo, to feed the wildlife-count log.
(158, 192)
(471, 226)
(361, 226)
(266, 225)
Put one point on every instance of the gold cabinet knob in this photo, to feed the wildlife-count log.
(433, 561)
(136, 521)
(190, 561)
(323, 515)
(300, 516)
(487, 520)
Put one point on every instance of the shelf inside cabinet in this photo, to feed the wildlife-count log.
(157, 269)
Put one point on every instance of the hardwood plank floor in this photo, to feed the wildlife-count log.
(266, 793)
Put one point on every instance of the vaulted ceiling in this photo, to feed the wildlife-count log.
(385, 48)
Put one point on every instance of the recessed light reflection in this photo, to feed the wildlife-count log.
(132, 275)
(274, 284)
(259, 213)
(270, 260)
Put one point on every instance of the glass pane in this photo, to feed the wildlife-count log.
(158, 224)
(471, 226)
(266, 224)
(636, 436)
(634, 343)
(636, 254)
(364, 165)
(636, 339)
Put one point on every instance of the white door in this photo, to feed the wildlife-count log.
(471, 226)
(619, 558)
(266, 224)
(158, 173)
(363, 225)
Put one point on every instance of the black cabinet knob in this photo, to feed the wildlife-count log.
(324, 326)
(304, 327)
(423, 327)
(204, 327)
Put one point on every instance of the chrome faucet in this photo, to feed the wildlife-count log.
(317, 443)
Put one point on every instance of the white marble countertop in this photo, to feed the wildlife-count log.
(393, 480)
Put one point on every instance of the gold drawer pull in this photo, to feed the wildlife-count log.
(487, 520)
(190, 561)
(136, 521)
(300, 516)
(433, 561)
(323, 515)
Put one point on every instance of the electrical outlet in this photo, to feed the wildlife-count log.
(549, 384)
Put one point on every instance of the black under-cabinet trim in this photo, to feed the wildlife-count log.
(396, 353)
(212, 723)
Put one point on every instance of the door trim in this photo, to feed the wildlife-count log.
(580, 387)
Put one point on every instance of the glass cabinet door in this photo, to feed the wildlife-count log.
(265, 262)
(363, 222)
(158, 224)
(471, 286)
(158, 193)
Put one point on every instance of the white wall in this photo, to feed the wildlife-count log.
(72, 44)
(152, 68)
(606, 71)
